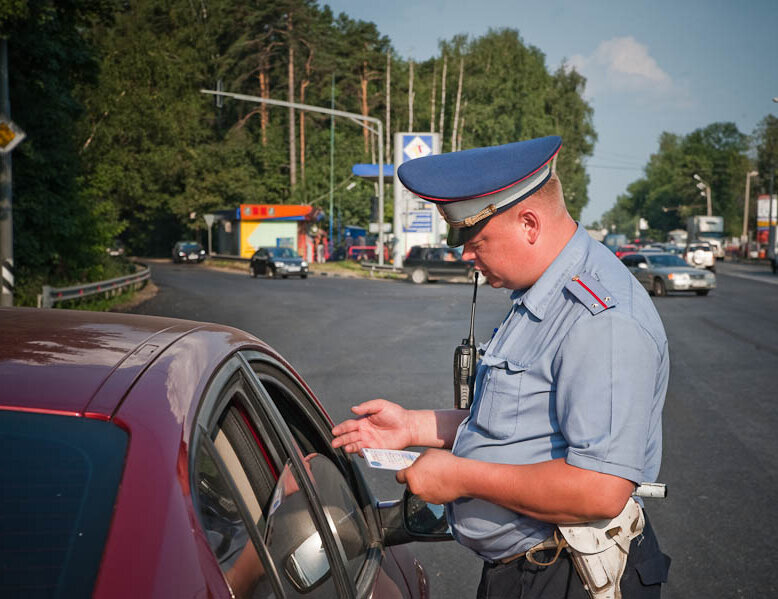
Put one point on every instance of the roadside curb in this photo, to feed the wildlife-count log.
(148, 292)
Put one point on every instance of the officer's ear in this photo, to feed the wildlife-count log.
(529, 223)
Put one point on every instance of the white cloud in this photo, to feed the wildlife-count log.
(624, 65)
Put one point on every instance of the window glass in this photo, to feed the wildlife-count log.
(667, 260)
(59, 477)
(333, 482)
(282, 252)
(342, 509)
(294, 543)
(227, 531)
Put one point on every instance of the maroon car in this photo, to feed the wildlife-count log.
(151, 457)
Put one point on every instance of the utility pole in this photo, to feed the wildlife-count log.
(772, 230)
(370, 123)
(744, 236)
(10, 136)
(705, 192)
(332, 153)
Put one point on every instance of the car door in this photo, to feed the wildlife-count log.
(453, 264)
(261, 261)
(642, 271)
(436, 264)
(629, 262)
(279, 516)
(310, 427)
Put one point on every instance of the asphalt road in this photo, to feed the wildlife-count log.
(356, 339)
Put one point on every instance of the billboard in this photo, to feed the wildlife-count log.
(765, 216)
(416, 222)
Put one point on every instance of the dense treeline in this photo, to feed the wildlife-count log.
(721, 156)
(121, 143)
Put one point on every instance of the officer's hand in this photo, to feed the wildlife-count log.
(434, 476)
(381, 425)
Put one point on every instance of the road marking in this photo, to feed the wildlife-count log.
(768, 278)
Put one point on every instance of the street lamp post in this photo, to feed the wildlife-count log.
(704, 191)
(744, 236)
(359, 119)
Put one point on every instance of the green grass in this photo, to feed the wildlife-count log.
(344, 267)
(30, 285)
(98, 302)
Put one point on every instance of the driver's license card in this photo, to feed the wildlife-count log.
(389, 459)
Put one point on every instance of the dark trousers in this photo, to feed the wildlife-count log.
(644, 574)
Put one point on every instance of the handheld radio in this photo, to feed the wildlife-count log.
(465, 358)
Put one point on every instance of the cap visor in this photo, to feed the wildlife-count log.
(457, 237)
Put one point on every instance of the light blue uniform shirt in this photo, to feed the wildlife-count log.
(577, 370)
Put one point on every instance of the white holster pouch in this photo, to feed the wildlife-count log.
(598, 549)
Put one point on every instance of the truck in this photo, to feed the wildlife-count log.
(614, 241)
(707, 228)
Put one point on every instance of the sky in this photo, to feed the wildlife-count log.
(651, 66)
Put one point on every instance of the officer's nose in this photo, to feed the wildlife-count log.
(468, 253)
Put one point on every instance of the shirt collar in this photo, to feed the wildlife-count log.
(537, 297)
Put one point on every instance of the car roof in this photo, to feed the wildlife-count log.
(58, 361)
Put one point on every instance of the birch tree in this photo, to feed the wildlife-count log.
(410, 95)
(387, 132)
(303, 85)
(456, 110)
(432, 101)
(290, 94)
(443, 99)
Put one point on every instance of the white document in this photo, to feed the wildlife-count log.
(389, 459)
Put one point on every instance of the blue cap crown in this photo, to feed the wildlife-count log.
(471, 186)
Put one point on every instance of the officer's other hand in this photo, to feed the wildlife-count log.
(434, 476)
(380, 424)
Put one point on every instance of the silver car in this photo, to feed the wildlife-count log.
(660, 273)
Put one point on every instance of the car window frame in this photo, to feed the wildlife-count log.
(343, 461)
(214, 403)
(280, 442)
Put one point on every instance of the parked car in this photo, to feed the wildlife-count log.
(278, 262)
(188, 251)
(700, 255)
(155, 457)
(366, 253)
(424, 263)
(623, 250)
(660, 273)
(116, 249)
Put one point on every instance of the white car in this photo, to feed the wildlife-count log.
(700, 255)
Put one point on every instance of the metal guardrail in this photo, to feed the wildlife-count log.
(374, 267)
(52, 295)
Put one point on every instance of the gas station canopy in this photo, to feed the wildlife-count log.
(370, 172)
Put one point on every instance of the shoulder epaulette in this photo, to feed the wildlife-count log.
(590, 293)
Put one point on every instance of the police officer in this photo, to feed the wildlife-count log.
(569, 391)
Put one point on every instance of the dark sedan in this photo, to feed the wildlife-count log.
(188, 251)
(660, 273)
(275, 262)
(424, 263)
(153, 457)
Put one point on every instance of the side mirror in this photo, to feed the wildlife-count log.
(411, 519)
(307, 565)
(642, 265)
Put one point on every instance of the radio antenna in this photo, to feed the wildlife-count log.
(470, 340)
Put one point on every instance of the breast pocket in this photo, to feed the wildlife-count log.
(498, 410)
